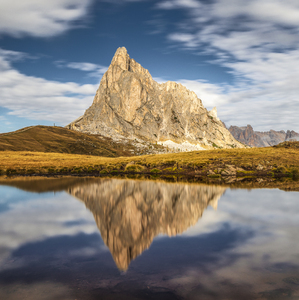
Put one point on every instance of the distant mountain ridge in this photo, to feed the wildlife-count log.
(130, 104)
(248, 136)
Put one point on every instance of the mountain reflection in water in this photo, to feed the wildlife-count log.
(51, 246)
(129, 214)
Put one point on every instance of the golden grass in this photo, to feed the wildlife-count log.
(272, 157)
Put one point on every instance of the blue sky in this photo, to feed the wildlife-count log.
(238, 55)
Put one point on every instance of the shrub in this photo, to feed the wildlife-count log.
(90, 169)
(133, 168)
(10, 171)
(169, 169)
(155, 171)
(214, 176)
(295, 173)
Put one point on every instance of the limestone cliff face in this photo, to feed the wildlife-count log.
(248, 136)
(129, 103)
(129, 214)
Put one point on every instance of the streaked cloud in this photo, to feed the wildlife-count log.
(174, 4)
(272, 245)
(93, 70)
(40, 99)
(40, 219)
(40, 18)
(258, 42)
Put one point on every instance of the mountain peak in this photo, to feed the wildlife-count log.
(121, 51)
(131, 105)
(121, 58)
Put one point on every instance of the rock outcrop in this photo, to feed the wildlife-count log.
(130, 104)
(129, 214)
(248, 136)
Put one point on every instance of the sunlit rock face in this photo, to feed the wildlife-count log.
(129, 214)
(129, 103)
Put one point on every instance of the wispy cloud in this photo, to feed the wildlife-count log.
(271, 246)
(157, 24)
(40, 18)
(40, 99)
(93, 70)
(258, 41)
(173, 4)
(36, 223)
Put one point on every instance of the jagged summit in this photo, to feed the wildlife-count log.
(253, 138)
(130, 104)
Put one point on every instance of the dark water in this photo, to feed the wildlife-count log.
(118, 239)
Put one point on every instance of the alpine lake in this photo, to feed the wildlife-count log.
(119, 238)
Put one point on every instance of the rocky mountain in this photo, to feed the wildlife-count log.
(248, 136)
(129, 214)
(292, 136)
(130, 104)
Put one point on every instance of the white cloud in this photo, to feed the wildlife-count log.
(187, 39)
(265, 106)
(210, 94)
(39, 220)
(258, 41)
(275, 11)
(268, 218)
(173, 4)
(94, 70)
(40, 18)
(40, 99)
(85, 66)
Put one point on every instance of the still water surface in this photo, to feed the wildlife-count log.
(93, 238)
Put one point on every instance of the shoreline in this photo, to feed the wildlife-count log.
(249, 182)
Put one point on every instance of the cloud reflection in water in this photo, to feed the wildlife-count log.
(247, 249)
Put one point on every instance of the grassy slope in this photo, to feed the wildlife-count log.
(61, 140)
(271, 160)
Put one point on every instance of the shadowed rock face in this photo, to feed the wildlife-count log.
(253, 138)
(129, 214)
(129, 103)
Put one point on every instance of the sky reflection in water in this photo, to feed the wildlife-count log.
(148, 240)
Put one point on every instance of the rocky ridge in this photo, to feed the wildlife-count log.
(129, 214)
(248, 136)
(130, 104)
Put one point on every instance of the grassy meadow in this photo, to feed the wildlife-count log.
(271, 161)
